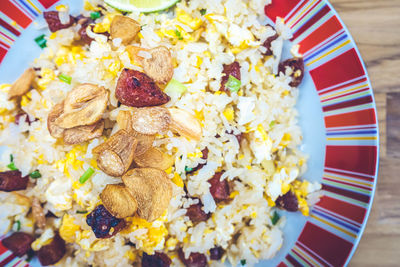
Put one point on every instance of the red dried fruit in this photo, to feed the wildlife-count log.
(53, 252)
(216, 253)
(195, 259)
(231, 69)
(297, 66)
(219, 189)
(136, 89)
(12, 181)
(54, 22)
(82, 31)
(197, 214)
(268, 42)
(102, 221)
(158, 259)
(288, 202)
(19, 243)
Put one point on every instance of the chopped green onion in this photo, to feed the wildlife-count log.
(233, 84)
(65, 78)
(187, 169)
(243, 262)
(178, 34)
(272, 124)
(89, 172)
(95, 15)
(81, 211)
(141, 27)
(41, 42)
(275, 218)
(18, 225)
(203, 11)
(35, 175)
(175, 87)
(11, 166)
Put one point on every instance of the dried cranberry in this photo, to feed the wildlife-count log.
(53, 252)
(54, 22)
(196, 213)
(288, 202)
(195, 259)
(216, 253)
(19, 243)
(268, 43)
(102, 221)
(12, 181)
(201, 165)
(219, 189)
(136, 89)
(84, 22)
(158, 259)
(231, 69)
(297, 66)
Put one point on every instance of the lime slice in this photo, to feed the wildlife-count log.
(144, 6)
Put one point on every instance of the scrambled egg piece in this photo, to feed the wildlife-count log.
(43, 240)
(68, 228)
(229, 114)
(69, 55)
(59, 195)
(185, 18)
(262, 145)
(47, 76)
(177, 180)
(104, 26)
(154, 234)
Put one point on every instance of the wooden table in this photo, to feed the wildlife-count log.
(375, 26)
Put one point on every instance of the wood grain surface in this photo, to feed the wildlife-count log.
(375, 26)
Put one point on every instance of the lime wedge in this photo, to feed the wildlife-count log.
(144, 6)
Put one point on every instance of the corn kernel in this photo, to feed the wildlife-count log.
(177, 180)
(285, 187)
(229, 114)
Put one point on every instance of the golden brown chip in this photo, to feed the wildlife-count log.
(154, 158)
(22, 85)
(151, 120)
(84, 105)
(124, 28)
(116, 154)
(133, 52)
(38, 213)
(55, 112)
(84, 133)
(118, 201)
(124, 121)
(185, 124)
(160, 66)
(152, 190)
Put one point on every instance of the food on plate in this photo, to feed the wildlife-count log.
(154, 139)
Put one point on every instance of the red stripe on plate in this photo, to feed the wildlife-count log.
(345, 209)
(346, 193)
(325, 10)
(360, 159)
(327, 245)
(345, 85)
(361, 117)
(352, 103)
(3, 53)
(15, 13)
(329, 28)
(47, 3)
(349, 184)
(293, 261)
(280, 8)
(343, 95)
(9, 27)
(352, 174)
(345, 67)
(282, 264)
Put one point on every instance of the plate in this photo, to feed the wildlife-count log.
(337, 116)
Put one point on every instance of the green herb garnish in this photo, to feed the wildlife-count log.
(35, 175)
(18, 225)
(11, 166)
(275, 218)
(65, 78)
(88, 173)
(272, 124)
(41, 41)
(141, 27)
(203, 11)
(178, 34)
(188, 169)
(81, 211)
(95, 15)
(233, 84)
(243, 262)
